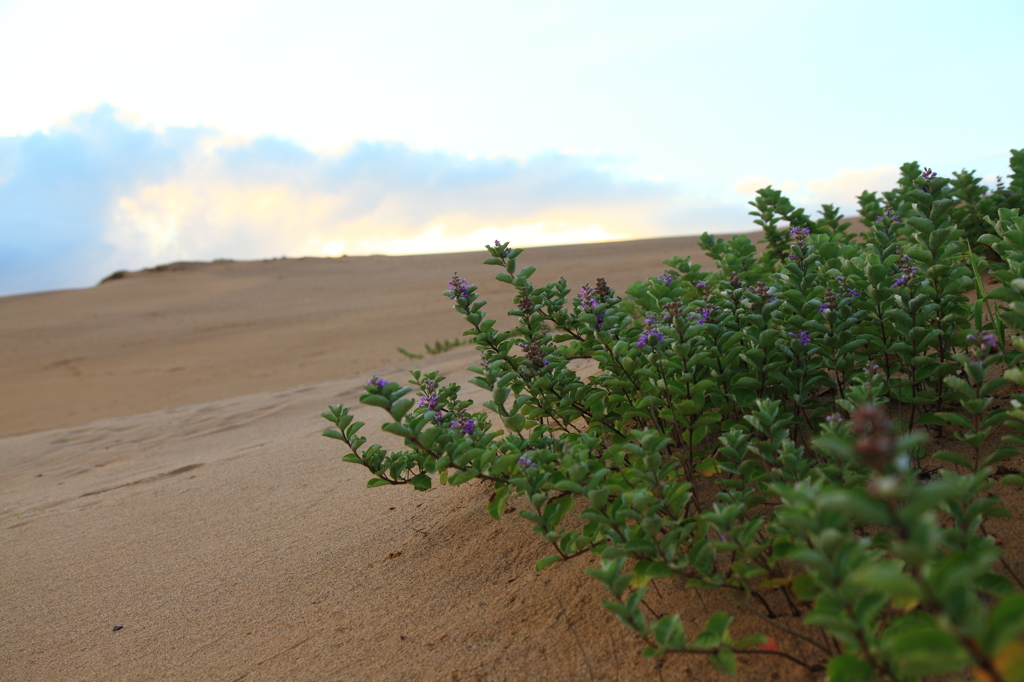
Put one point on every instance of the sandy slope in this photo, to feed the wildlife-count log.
(204, 331)
(200, 509)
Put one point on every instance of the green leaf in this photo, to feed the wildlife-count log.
(918, 646)
(1007, 622)
(463, 476)
(849, 668)
(400, 407)
(714, 631)
(547, 561)
(993, 583)
(954, 418)
(724, 662)
(997, 511)
(504, 464)
(751, 641)
(851, 346)
(375, 400)
(555, 509)
(421, 482)
(886, 577)
(376, 483)
(953, 458)
(398, 429)
(331, 433)
(497, 504)
(805, 587)
(1000, 455)
(669, 632)
(481, 382)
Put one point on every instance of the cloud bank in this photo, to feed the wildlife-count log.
(99, 193)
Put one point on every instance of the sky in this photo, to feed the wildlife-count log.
(134, 134)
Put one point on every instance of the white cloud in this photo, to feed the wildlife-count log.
(843, 188)
(99, 193)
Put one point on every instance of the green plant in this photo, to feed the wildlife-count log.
(118, 274)
(437, 348)
(822, 430)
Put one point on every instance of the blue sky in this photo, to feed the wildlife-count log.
(134, 133)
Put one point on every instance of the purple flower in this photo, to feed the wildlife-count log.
(832, 300)
(987, 340)
(803, 337)
(706, 314)
(463, 423)
(588, 301)
(429, 399)
(702, 285)
(907, 271)
(650, 337)
(458, 287)
(526, 463)
(665, 279)
(834, 418)
(800, 235)
(377, 381)
(891, 215)
(505, 251)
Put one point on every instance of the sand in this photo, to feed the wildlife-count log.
(162, 473)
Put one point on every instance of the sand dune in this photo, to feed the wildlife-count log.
(204, 331)
(183, 492)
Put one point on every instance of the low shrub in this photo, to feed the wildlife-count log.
(117, 274)
(438, 348)
(823, 428)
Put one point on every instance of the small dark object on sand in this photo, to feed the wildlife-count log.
(118, 627)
